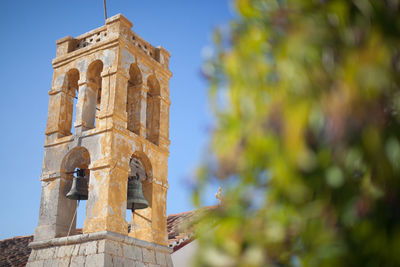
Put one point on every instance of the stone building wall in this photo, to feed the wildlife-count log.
(98, 249)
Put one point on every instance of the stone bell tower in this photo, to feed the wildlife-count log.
(120, 84)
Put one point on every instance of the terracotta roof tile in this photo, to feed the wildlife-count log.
(14, 251)
(180, 227)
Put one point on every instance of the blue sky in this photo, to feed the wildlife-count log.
(29, 30)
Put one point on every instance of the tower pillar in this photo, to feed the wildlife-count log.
(86, 107)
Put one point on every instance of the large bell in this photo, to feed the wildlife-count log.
(135, 198)
(79, 188)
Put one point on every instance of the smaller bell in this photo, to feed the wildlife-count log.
(79, 188)
(135, 198)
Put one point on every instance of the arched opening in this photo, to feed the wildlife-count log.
(153, 110)
(94, 99)
(140, 168)
(75, 164)
(71, 96)
(133, 104)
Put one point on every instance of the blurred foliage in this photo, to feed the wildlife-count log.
(307, 139)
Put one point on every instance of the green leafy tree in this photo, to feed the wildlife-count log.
(307, 138)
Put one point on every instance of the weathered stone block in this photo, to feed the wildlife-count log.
(129, 251)
(91, 248)
(76, 249)
(111, 247)
(32, 257)
(129, 263)
(64, 251)
(95, 260)
(56, 251)
(169, 260)
(138, 253)
(101, 246)
(108, 260)
(82, 249)
(50, 262)
(117, 261)
(38, 263)
(63, 262)
(140, 264)
(46, 253)
(160, 258)
(77, 261)
(149, 255)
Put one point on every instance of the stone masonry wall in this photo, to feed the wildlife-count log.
(98, 249)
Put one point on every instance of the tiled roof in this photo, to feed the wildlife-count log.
(177, 228)
(180, 227)
(14, 252)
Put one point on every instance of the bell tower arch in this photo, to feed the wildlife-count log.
(121, 122)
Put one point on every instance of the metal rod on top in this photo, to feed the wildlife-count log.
(105, 9)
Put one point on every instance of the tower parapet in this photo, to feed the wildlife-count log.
(108, 34)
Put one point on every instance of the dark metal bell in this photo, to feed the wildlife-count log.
(79, 188)
(137, 169)
(135, 198)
